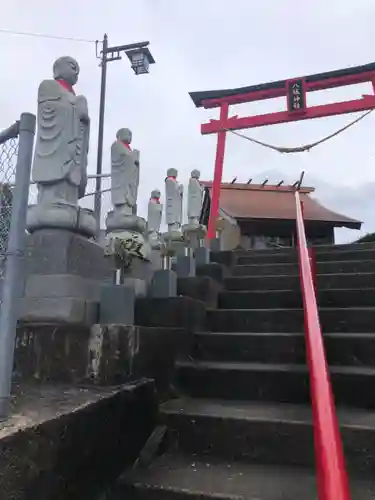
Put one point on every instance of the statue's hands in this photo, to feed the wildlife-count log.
(136, 155)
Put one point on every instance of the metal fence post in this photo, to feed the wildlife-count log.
(15, 254)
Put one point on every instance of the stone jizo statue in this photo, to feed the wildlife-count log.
(155, 210)
(181, 203)
(194, 232)
(195, 198)
(125, 173)
(60, 158)
(174, 197)
(123, 222)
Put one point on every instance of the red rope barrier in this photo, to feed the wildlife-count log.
(332, 478)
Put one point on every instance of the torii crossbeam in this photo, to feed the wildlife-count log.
(295, 90)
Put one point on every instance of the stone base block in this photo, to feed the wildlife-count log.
(215, 244)
(53, 430)
(99, 355)
(61, 285)
(55, 251)
(140, 269)
(201, 288)
(68, 310)
(156, 260)
(202, 256)
(117, 304)
(64, 272)
(184, 266)
(139, 286)
(163, 284)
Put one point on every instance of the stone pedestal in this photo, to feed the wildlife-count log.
(64, 273)
(129, 232)
(63, 216)
(175, 241)
(138, 285)
(156, 259)
(163, 284)
(215, 244)
(202, 256)
(117, 304)
(130, 229)
(194, 234)
(99, 355)
(185, 265)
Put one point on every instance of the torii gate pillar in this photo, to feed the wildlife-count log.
(218, 172)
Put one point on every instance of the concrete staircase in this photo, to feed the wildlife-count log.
(243, 428)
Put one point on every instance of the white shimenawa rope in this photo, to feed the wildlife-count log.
(307, 147)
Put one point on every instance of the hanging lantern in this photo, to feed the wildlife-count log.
(140, 60)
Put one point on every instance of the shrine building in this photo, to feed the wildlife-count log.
(262, 216)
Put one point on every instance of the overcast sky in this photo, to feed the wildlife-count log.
(205, 45)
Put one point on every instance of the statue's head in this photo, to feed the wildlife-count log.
(172, 172)
(124, 135)
(155, 193)
(195, 174)
(66, 68)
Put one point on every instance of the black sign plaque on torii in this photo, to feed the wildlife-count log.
(296, 95)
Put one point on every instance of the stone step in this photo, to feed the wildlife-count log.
(67, 441)
(292, 282)
(345, 246)
(350, 349)
(177, 476)
(352, 386)
(266, 251)
(317, 249)
(263, 299)
(333, 320)
(266, 433)
(330, 267)
(342, 255)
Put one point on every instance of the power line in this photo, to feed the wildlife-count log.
(42, 35)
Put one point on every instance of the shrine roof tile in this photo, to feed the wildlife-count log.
(254, 201)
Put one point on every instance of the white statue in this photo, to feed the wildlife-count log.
(155, 210)
(173, 195)
(60, 158)
(125, 173)
(181, 203)
(195, 198)
(123, 223)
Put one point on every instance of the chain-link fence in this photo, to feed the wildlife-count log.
(8, 160)
(16, 149)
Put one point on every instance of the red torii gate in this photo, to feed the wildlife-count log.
(295, 91)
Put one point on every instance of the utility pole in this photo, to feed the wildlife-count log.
(140, 58)
(99, 161)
